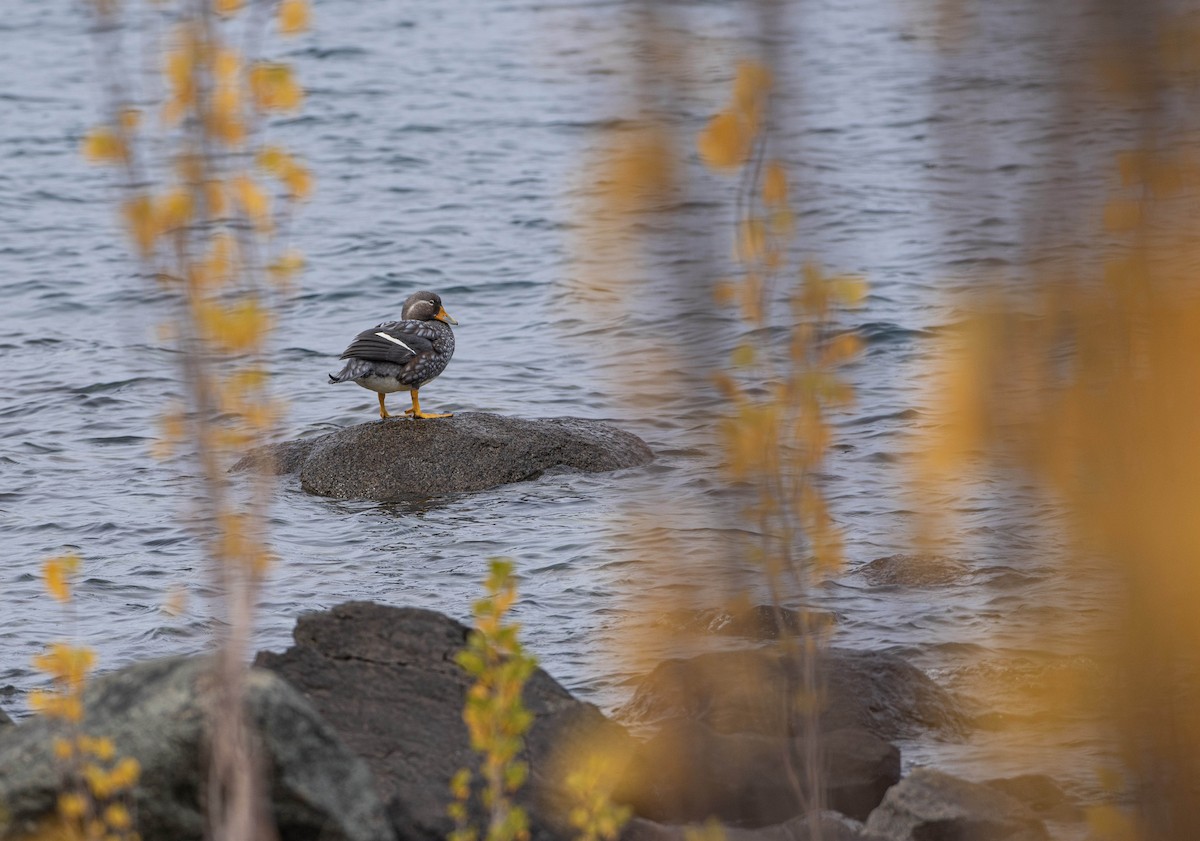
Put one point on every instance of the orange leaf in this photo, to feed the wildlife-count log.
(725, 142)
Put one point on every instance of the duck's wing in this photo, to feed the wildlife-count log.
(393, 341)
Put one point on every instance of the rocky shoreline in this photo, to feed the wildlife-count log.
(361, 729)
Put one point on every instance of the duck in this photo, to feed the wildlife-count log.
(404, 354)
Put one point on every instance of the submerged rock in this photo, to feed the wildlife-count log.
(913, 571)
(928, 805)
(156, 712)
(385, 678)
(740, 692)
(1041, 794)
(401, 459)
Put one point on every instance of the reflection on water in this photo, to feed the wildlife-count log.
(448, 141)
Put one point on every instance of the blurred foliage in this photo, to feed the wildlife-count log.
(206, 204)
(495, 714)
(1085, 381)
(594, 774)
(95, 802)
(770, 431)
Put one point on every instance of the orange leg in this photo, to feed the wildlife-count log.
(383, 412)
(416, 412)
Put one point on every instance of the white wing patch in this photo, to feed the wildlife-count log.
(395, 341)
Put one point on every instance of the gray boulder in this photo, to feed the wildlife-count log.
(928, 805)
(386, 680)
(401, 459)
(1042, 795)
(5, 721)
(156, 713)
(743, 691)
(688, 773)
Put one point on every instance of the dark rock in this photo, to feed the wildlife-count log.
(757, 622)
(830, 826)
(386, 679)
(402, 459)
(5, 721)
(688, 773)
(913, 571)
(751, 691)
(859, 769)
(156, 712)
(928, 805)
(1041, 794)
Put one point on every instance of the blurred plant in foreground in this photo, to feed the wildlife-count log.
(95, 801)
(775, 435)
(495, 714)
(771, 431)
(206, 204)
(1088, 384)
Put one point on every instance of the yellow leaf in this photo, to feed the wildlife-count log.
(293, 16)
(252, 199)
(274, 160)
(298, 181)
(102, 145)
(753, 79)
(750, 88)
(724, 293)
(641, 170)
(848, 290)
(126, 772)
(226, 66)
(63, 749)
(725, 142)
(274, 87)
(743, 356)
(139, 220)
(173, 210)
(775, 186)
(72, 805)
(288, 264)
(117, 816)
(841, 348)
(238, 327)
(57, 572)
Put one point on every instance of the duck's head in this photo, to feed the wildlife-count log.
(425, 306)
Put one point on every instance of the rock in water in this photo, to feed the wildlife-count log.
(928, 805)
(156, 713)
(739, 692)
(386, 679)
(689, 773)
(401, 459)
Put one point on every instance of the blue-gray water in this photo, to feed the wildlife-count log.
(450, 141)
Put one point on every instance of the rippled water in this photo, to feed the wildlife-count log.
(449, 141)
